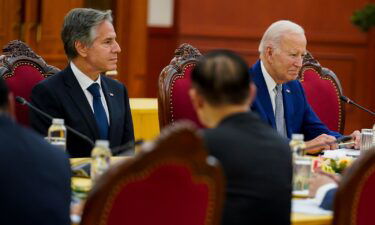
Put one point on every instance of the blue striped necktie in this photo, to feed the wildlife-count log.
(99, 112)
(279, 111)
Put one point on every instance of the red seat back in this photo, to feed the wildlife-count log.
(323, 91)
(173, 181)
(355, 197)
(22, 69)
(174, 84)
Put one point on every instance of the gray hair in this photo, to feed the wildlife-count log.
(79, 25)
(273, 34)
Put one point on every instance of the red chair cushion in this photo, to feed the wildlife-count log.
(157, 198)
(182, 108)
(365, 211)
(20, 84)
(323, 98)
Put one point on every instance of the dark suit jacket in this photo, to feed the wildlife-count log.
(61, 96)
(299, 116)
(35, 178)
(258, 169)
(327, 202)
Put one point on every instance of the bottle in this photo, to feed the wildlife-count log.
(297, 144)
(100, 159)
(57, 133)
(301, 165)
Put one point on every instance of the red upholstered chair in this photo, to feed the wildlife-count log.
(174, 84)
(323, 90)
(22, 69)
(171, 181)
(355, 198)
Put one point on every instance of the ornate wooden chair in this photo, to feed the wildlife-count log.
(174, 84)
(22, 69)
(323, 91)
(355, 198)
(171, 181)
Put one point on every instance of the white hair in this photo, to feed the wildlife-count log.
(273, 34)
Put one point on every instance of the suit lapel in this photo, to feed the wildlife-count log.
(78, 97)
(288, 107)
(263, 96)
(112, 110)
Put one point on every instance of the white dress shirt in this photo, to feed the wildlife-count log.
(271, 84)
(85, 82)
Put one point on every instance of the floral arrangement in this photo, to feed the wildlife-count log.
(365, 17)
(332, 166)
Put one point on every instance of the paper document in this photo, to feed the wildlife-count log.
(308, 206)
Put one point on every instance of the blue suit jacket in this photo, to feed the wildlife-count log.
(35, 176)
(299, 116)
(61, 96)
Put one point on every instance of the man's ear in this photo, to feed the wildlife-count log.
(81, 48)
(269, 53)
(11, 105)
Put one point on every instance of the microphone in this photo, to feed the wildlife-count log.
(123, 149)
(349, 101)
(23, 101)
(337, 141)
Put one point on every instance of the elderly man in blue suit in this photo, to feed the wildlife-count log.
(281, 101)
(91, 103)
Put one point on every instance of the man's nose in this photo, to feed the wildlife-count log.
(116, 47)
(298, 62)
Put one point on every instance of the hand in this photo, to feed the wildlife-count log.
(318, 180)
(356, 135)
(325, 140)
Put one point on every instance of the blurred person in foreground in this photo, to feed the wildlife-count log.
(87, 100)
(256, 160)
(35, 175)
(281, 100)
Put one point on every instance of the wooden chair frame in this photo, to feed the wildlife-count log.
(17, 53)
(178, 144)
(326, 74)
(185, 57)
(349, 190)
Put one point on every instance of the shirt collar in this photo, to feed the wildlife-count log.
(83, 80)
(271, 84)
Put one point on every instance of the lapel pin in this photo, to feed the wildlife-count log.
(111, 94)
(287, 91)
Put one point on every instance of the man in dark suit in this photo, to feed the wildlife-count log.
(256, 160)
(35, 175)
(88, 101)
(281, 101)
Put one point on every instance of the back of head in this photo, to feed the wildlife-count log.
(274, 33)
(222, 78)
(79, 25)
(3, 95)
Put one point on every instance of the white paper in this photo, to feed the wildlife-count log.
(308, 206)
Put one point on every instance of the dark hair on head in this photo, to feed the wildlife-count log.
(3, 94)
(79, 25)
(222, 77)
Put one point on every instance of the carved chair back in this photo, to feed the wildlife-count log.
(355, 197)
(171, 181)
(22, 69)
(174, 84)
(323, 90)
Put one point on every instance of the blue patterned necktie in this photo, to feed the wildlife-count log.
(279, 111)
(99, 112)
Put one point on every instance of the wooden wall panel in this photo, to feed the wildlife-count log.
(10, 21)
(47, 40)
(131, 28)
(332, 39)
